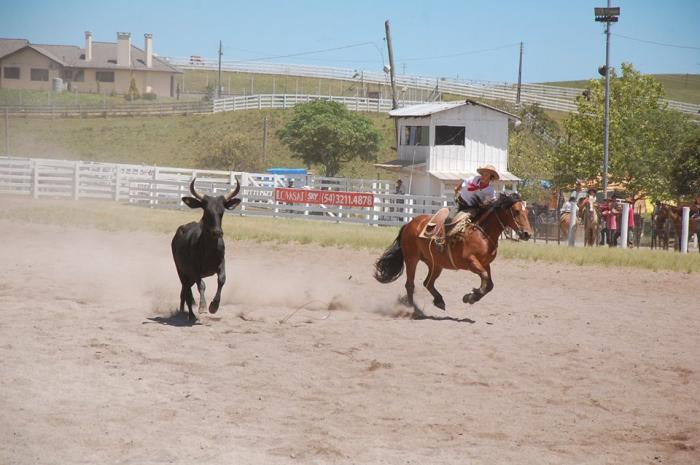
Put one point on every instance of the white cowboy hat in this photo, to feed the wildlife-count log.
(489, 169)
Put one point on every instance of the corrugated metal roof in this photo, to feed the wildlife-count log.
(104, 55)
(457, 175)
(425, 109)
(399, 164)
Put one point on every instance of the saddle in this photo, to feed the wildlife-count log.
(440, 228)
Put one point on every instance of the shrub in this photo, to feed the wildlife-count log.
(149, 96)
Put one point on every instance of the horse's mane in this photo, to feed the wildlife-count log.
(502, 201)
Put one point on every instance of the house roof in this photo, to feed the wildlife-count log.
(426, 109)
(104, 55)
(8, 46)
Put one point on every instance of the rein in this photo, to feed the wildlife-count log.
(518, 231)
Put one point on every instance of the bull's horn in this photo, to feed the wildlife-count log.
(196, 194)
(233, 193)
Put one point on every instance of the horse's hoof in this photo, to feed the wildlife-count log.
(439, 304)
(469, 299)
(213, 306)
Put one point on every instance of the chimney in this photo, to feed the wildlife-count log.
(148, 49)
(123, 49)
(88, 46)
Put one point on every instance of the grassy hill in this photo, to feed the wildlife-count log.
(180, 141)
(680, 87)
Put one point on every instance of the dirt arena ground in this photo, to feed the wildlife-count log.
(311, 361)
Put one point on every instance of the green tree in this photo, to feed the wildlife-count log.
(685, 169)
(232, 153)
(644, 135)
(326, 133)
(531, 151)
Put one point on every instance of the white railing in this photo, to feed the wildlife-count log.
(548, 97)
(163, 187)
(261, 101)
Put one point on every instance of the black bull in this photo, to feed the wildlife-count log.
(198, 248)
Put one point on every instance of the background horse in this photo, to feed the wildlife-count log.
(674, 215)
(591, 220)
(473, 251)
(564, 223)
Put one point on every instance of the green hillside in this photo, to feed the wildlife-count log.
(180, 141)
(679, 87)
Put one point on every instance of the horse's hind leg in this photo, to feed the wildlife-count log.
(429, 283)
(411, 264)
(484, 273)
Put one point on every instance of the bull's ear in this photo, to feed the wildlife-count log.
(192, 202)
(233, 203)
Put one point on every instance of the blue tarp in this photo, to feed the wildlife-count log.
(283, 171)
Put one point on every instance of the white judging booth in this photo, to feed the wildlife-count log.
(443, 142)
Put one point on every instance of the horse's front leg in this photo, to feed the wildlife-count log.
(201, 287)
(484, 273)
(220, 281)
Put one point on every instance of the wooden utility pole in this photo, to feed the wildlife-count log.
(264, 147)
(520, 74)
(394, 101)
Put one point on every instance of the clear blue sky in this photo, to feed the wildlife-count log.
(476, 39)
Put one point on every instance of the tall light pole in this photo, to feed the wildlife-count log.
(606, 15)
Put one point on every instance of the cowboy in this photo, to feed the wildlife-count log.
(590, 199)
(475, 191)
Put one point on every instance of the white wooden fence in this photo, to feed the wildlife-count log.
(250, 102)
(163, 187)
(548, 97)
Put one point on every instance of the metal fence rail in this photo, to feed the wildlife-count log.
(163, 187)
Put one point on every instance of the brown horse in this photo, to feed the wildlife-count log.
(474, 251)
(564, 223)
(591, 220)
(674, 215)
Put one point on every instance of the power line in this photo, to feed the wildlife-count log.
(471, 52)
(310, 52)
(657, 43)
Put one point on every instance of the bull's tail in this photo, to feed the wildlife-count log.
(389, 266)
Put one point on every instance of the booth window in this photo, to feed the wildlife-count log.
(449, 135)
(415, 135)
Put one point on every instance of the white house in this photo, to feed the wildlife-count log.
(442, 142)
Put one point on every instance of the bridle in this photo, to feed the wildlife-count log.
(519, 228)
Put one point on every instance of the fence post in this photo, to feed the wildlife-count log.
(117, 182)
(572, 223)
(624, 224)
(35, 180)
(685, 226)
(76, 180)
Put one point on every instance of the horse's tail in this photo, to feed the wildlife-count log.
(389, 266)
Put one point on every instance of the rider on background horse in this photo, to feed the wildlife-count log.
(476, 191)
